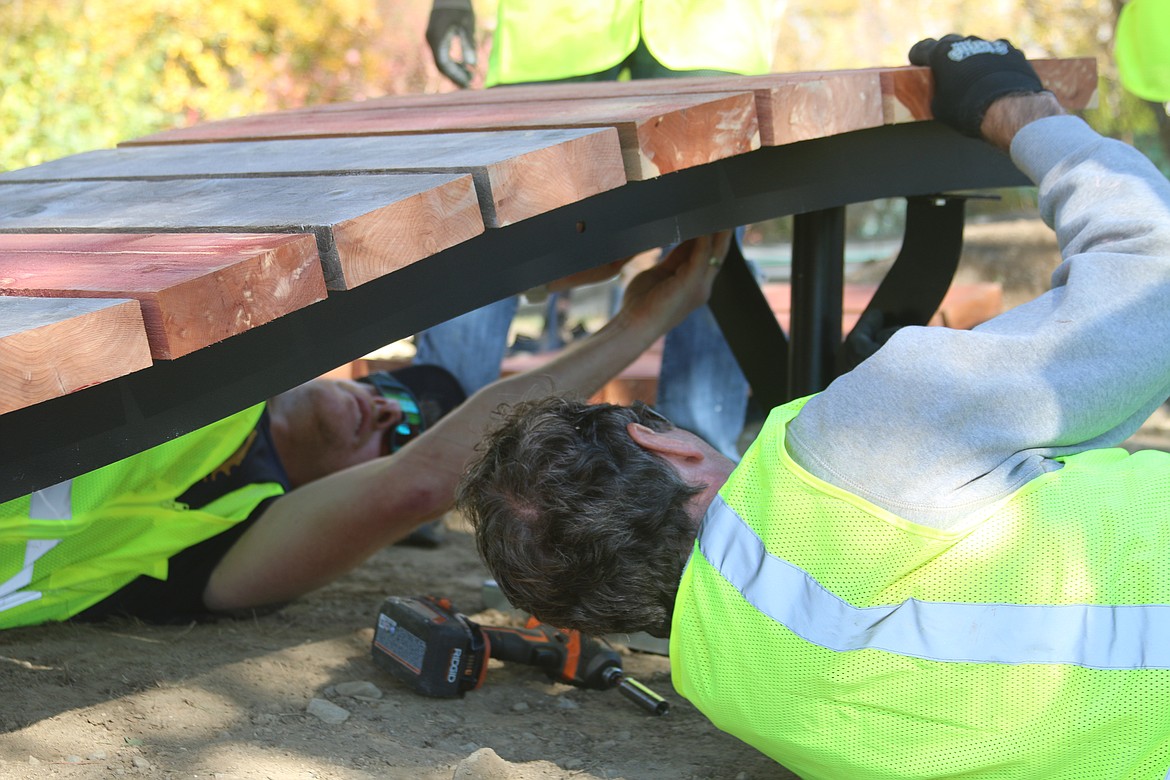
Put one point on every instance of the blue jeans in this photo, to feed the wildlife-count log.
(470, 346)
(700, 385)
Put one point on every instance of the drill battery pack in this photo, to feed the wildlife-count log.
(429, 646)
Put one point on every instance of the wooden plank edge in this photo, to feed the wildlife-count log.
(728, 126)
(415, 228)
(228, 291)
(546, 179)
(829, 104)
(602, 111)
(68, 346)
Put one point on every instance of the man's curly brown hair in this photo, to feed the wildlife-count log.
(580, 526)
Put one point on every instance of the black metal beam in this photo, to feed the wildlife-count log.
(915, 285)
(67, 436)
(755, 337)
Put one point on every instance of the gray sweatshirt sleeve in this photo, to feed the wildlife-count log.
(941, 422)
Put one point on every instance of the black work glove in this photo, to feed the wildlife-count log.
(969, 74)
(451, 19)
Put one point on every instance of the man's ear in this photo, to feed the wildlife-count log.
(674, 443)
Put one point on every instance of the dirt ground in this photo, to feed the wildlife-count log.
(232, 699)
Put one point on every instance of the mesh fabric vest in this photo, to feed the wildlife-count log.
(66, 548)
(546, 40)
(846, 642)
(1142, 49)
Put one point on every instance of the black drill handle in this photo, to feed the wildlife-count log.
(565, 656)
(531, 646)
(568, 657)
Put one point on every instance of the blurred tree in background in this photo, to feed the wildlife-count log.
(77, 75)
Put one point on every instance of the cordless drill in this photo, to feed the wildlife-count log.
(438, 651)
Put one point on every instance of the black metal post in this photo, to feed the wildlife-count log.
(755, 337)
(818, 277)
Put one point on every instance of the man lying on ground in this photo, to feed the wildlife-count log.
(280, 499)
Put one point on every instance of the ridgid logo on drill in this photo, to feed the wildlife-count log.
(964, 49)
(453, 669)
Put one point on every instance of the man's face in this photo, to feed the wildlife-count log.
(327, 425)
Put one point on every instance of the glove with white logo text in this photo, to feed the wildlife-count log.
(969, 74)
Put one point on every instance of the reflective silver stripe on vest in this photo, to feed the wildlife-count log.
(51, 503)
(1093, 636)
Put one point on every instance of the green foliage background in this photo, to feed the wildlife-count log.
(77, 75)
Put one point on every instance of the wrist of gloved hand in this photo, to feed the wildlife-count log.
(445, 19)
(970, 74)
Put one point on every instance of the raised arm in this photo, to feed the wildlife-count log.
(968, 416)
(321, 530)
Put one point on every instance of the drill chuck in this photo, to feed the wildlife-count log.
(638, 693)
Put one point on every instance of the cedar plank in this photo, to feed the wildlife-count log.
(907, 91)
(677, 140)
(194, 289)
(821, 107)
(791, 106)
(442, 208)
(518, 174)
(49, 348)
(658, 134)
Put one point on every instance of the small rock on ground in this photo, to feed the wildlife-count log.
(483, 764)
(327, 711)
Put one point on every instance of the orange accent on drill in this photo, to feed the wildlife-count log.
(437, 651)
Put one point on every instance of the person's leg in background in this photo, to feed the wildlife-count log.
(701, 387)
(470, 346)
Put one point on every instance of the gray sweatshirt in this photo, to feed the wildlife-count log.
(939, 422)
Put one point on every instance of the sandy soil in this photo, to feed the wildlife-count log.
(232, 699)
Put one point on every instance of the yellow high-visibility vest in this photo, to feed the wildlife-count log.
(65, 548)
(847, 642)
(546, 40)
(1142, 49)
